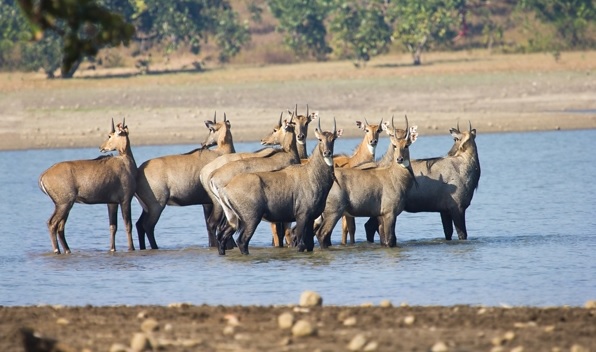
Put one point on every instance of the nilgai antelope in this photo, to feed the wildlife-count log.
(445, 185)
(294, 194)
(376, 192)
(364, 153)
(286, 156)
(174, 180)
(302, 122)
(106, 180)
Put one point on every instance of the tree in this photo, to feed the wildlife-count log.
(83, 25)
(571, 18)
(303, 25)
(191, 22)
(420, 23)
(359, 30)
(13, 28)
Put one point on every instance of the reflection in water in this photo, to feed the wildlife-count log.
(531, 241)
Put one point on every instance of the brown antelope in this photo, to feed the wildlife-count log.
(445, 185)
(364, 153)
(106, 180)
(294, 194)
(174, 180)
(377, 192)
(302, 122)
(286, 156)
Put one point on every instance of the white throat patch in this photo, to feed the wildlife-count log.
(405, 163)
(328, 161)
(371, 148)
(300, 142)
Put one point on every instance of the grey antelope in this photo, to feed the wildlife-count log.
(281, 158)
(175, 180)
(376, 192)
(294, 194)
(445, 185)
(106, 180)
(364, 153)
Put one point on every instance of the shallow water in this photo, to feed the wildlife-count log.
(531, 226)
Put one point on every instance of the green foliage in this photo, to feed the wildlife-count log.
(303, 24)
(13, 28)
(84, 26)
(191, 22)
(360, 31)
(571, 18)
(419, 24)
(45, 53)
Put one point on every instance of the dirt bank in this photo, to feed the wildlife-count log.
(250, 328)
(497, 93)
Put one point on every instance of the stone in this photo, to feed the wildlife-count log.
(149, 325)
(118, 347)
(310, 299)
(371, 346)
(409, 320)
(357, 343)
(140, 342)
(303, 328)
(439, 347)
(285, 320)
(351, 321)
(386, 303)
(591, 304)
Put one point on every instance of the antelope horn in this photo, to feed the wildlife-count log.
(320, 126)
(225, 119)
(457, 126)
(407, 128)
(334, 127)
(113, 129)
(291, 119)
(215, 117)
(280, 116)
(470, 125)
(296, 110)
(123, 122)
(307, 115)
(392, 124)
(366, 122)
(381, 123)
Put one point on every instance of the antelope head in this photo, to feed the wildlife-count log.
(276, 136)
(117, 139)
(462, 140)
(217, 131)
(326, 142)
(371, 134)
(302, 123)
(401, 141)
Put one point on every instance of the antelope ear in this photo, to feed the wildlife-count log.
(338, 133)
(455, 133)
(413, 134)
(385, 126)
(209, 124)
(360, 125)
(313, 115)
(473, 131)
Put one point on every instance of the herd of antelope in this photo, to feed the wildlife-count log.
(282, 185)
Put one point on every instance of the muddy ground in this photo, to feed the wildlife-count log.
(249, 328)
(497, 93)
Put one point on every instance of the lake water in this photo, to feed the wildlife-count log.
(531, 228)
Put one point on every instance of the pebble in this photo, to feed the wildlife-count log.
(367, 304)
(357, 343)
(386, 303)
(142, 315)
(591, 304)
(285, 320)
(371, 346)
(517, 349)
(440, 347)
(409, 320)
(351, 321)
(139, 342)
(578, 348)
(229, 330)
(118, 347)
(310, 299)
(303, 328)
(62, 321)
(509, 335)
(232, 319)
(149, 325)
